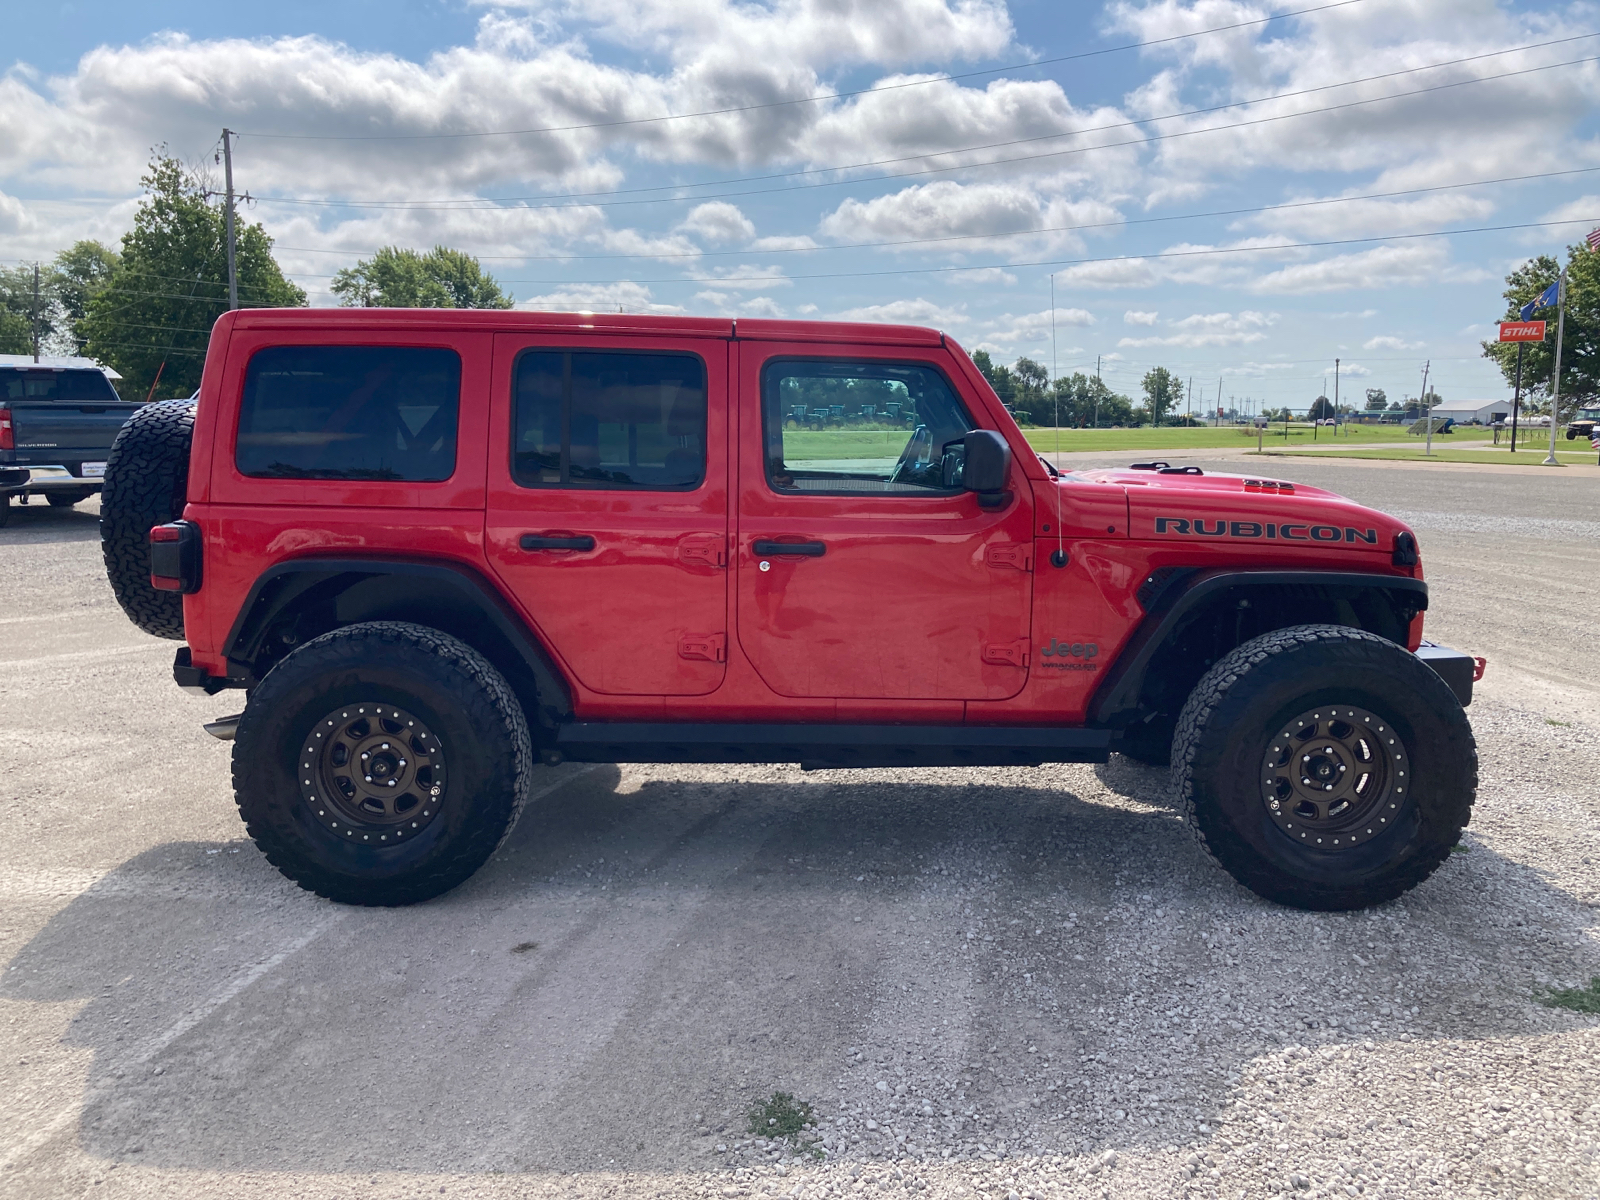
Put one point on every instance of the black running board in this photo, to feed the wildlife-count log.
(829, 747)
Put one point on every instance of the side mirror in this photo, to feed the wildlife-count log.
(987, 466)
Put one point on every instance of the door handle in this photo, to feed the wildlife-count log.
(535, 541)
(762, 546)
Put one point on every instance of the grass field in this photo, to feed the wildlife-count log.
(835, 445)
(1487, 455)
(1226, 438)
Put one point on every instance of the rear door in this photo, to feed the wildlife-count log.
(860, 575)
(608, 521)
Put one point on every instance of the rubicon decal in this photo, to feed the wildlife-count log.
(1270, 530)
(1070, 656)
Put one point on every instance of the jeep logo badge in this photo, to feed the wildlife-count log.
(1060, 651)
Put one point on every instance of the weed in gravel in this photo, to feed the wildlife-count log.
(1578, 999)
(524, 947)
(780, 1115)
(1558, 724)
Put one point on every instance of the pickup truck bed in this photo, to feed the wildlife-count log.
(56, 429)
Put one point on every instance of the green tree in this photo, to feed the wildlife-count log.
(1580, 346)
(1000, 379)
(16, 310)
(396, 278)
(80, 273)
(153, 317)
(1161, 393)
(1321, 409)
(1376, 399)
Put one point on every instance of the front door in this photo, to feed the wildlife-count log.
(861, 575)
(608, 523)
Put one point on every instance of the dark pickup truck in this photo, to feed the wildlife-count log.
(57, 424)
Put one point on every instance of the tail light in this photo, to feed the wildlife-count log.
(8, 435)
(175, 557)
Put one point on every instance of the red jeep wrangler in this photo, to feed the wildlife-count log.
(434, 547)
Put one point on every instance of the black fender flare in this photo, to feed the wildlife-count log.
(1174, 593)
(328, 593)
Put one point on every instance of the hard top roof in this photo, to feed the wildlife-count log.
(513, 320)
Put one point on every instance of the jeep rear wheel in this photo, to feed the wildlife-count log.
(1325, 767)
(381, 763)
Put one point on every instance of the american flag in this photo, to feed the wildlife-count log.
(1594, 239)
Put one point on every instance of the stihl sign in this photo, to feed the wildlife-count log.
(1522, 331)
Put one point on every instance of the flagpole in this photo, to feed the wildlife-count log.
(1555, 389)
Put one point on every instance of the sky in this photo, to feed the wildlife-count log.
(1241, 191)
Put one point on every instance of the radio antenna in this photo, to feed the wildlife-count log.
(1059, 558)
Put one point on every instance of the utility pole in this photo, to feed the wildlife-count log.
(1097, 391)
(1555, 390)
(1188, 404)
(1218, 422)
(36, 312)
(233, 271)
(1427, 405)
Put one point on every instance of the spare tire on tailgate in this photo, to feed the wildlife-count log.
(147, 478)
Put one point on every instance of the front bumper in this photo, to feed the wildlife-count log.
(1458, 670)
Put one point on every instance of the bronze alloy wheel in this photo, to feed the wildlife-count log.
(373, 773)
(1335, 777)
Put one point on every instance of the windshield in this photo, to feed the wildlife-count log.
(46, 383)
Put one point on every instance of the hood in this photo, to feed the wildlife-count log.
(1183, 504)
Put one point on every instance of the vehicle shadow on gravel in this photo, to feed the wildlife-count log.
(653, 950)
(38, 522)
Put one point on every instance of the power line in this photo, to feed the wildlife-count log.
(964, 237)
(704, 280)
(472, 202)
(1204, 252)
(717, 112)
(1286, 206)
(489, 204)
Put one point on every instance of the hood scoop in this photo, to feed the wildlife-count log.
(1166, 468)
(1269, 486)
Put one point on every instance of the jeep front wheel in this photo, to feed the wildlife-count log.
(1325, 767)
(381, 763)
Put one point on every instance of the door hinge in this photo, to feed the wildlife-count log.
(706, 647)
(1012, 554)
(707, 549)
(1013, 654)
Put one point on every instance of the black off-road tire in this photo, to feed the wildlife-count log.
(147, 478)
(1237, 713)
(435, 680)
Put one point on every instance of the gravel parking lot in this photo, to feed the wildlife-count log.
(987, 983)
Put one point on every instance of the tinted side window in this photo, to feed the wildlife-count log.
(835, 426)
(74, 387)
(612, 420)
(350, 412)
